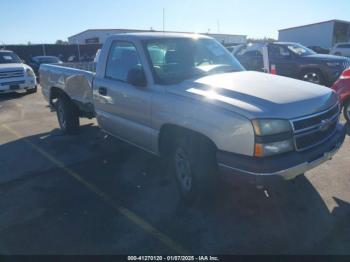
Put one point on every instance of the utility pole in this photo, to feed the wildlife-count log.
(78, 50)
(163, 19)
(44, 50)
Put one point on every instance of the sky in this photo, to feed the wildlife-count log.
(45, 21)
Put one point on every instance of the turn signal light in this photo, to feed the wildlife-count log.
(259, 150)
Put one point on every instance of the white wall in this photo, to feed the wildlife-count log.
(103, 34)
(311, 35)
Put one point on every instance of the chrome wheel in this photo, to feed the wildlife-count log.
(183, 169)
(312, 77)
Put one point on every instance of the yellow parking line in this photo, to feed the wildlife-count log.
(131, 216)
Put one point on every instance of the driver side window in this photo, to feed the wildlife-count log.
(276, 51)
(122, 57)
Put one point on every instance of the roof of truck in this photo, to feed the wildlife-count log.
(157, 35)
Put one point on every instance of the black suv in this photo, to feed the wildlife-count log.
(293, 60)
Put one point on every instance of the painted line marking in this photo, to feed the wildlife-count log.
(131, 216)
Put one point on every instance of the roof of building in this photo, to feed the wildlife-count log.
(156, 35)
(323, 22)
(142, 30)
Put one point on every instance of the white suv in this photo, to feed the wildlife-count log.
(14, 75)
(341, 49)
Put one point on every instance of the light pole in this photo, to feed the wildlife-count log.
(78, 50)
(44, 50)
(163, 19)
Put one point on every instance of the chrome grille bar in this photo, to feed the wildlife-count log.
(313, 130)
(11, 74)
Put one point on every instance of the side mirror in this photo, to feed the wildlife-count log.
(136, 77)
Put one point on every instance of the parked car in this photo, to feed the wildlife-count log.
(319, 49)
(72, 59)
(341, 49)
(15, 75)
(36, 61)
(342, 87)
(188, 100)
(293, 60)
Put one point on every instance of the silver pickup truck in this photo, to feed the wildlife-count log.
(186, 98)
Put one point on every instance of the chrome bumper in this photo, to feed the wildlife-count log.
(291, 168)
(289, 173)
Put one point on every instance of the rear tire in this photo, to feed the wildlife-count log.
(67, 115)
(346, 110)
(193, 164)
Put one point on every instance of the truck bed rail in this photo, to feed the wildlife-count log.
(86, 66)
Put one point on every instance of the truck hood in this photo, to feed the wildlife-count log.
(13, 66)
(258, 95)
(331, 58)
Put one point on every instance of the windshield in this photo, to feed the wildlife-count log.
(177, 59)
(300, 50)
(9, 58)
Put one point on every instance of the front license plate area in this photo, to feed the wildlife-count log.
(14, 87)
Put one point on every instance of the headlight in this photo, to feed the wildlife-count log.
(334, 64)
(267, 127)
(30, 72)
(274, 148)
(272, 136)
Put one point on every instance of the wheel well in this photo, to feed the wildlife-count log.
(56, 92)
(169, 131)
(308, 69)
(347, 100)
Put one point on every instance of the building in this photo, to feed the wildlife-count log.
(98, 36)
(324, 34)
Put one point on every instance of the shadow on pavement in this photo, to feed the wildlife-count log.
(11, 96)
(243, 218)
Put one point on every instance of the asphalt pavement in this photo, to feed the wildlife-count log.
(93, 194)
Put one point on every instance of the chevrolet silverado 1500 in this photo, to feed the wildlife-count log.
(186, 98)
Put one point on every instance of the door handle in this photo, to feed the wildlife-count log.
(102, 91)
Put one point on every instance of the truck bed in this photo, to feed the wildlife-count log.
(74, 79)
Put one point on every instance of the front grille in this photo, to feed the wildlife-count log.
(12, 83)
(11, 74)
(313, 130)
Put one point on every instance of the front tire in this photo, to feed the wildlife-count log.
(346, 110)
(193, 163)
(313, 76)
(67, 115)
(32, 91)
